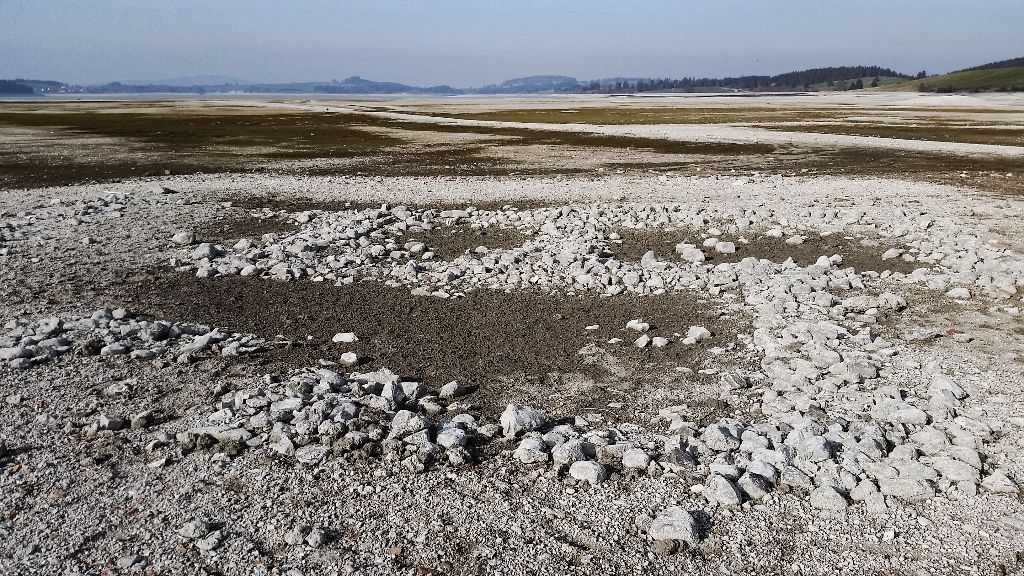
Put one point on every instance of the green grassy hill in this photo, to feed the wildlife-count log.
(996, 79)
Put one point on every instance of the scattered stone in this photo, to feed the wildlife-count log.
(636, 459)
(532, 451)
(588, 471)
(725, 248)
(195, 529)
(960, 293)
(297, 535)
(186, 238)
(723, 491)
(516, 420)
(348, 359)
(828, 498)
(452, 390)
(999, 482)
(675, 523)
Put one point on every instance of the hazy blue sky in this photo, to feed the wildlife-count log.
(475, 42)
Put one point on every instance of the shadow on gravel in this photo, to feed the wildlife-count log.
(862, 258)
(521, 346)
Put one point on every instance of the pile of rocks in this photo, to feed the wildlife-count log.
(890, 453)
(319, 413)
(110, 206)
(568, 249)
(13, 227)
(822, 414)
(118, 333)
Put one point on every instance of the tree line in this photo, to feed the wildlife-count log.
(12, 87)
(802, 80)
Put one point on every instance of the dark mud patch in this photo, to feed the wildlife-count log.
(997, 135)
(512, 347)
(633, 244)
(450, 242)
(294, 203)
(235, 226)
(861, 257)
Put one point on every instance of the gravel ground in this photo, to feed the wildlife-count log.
(859, 414)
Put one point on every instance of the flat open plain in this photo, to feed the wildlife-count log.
(780, 334)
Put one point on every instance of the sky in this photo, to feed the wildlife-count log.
(466, 43)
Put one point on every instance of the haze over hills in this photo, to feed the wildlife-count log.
(532, 85)
(198, 80)
(357, 85)
(1004, 75)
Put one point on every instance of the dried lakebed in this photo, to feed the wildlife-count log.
(621, 404)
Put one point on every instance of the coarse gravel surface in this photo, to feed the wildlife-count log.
(286, 374)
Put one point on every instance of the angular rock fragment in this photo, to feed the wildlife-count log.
(675, 523)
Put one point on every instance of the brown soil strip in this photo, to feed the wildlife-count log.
(939, 133)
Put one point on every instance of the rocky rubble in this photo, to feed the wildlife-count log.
(836, 413)
(318, 413)
(843, 438)
(117, 333)
(16, 228)
(569, 249)
(827, 423)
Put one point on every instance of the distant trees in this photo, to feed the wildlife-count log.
(921, 75)
(832, 77)
(1013, 63)
(12, 87)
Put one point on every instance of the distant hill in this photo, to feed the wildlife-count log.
(866, 82)
(357, 85)
(802, 80)
(201, 80)
(807, 78)
(986, 80)
(531, 85)
(1012, 63)
(352, 85)
(1002, 76)
(14, 87)
(41, 86)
